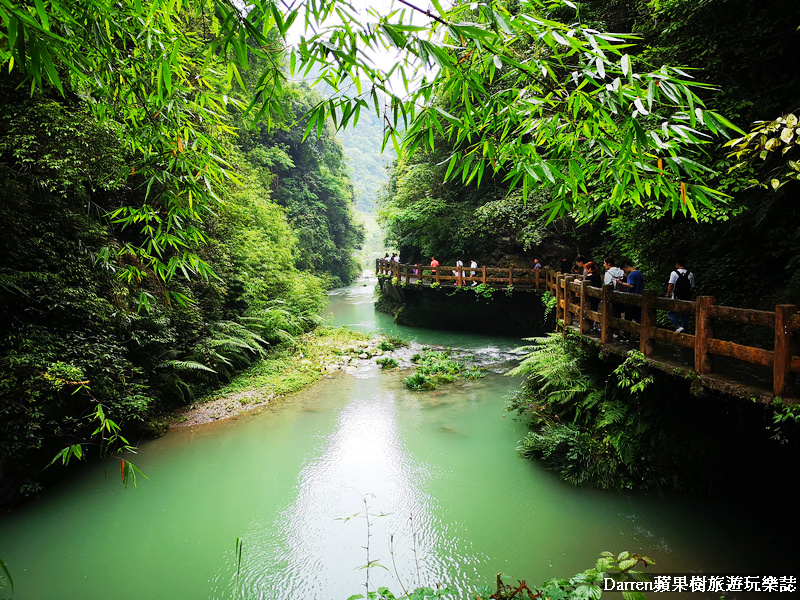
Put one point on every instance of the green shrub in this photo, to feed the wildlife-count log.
(389, 343)
(419, 381)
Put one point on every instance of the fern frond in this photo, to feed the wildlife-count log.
(185, 365)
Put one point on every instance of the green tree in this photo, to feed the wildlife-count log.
(311, 181)
(566, 112)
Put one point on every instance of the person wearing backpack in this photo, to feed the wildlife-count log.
(680, 287)
(634, 284)
(614, 276)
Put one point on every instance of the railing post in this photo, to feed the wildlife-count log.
(536, 278)
(584, 303)
(605, 312)
(511, 275)
(784, 349)
(459, 276)
(647, 324)
(703, 333)
(559, 312)
(436, 273)
(483, 271)
(567, 303)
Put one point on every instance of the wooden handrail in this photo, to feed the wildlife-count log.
(499, 277)
(573, 304)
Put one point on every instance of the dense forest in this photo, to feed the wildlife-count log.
(175, 205)
(623, 426)
(743, 51)
(117, 308)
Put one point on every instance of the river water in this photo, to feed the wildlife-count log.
(356, 469)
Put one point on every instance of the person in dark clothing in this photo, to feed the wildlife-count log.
(681, 287)
(634, 283)
(565, 267)
(594, 280)
(580, 260)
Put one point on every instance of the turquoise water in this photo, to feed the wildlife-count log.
(448, 500)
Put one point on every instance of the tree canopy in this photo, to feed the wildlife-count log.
(547, 102)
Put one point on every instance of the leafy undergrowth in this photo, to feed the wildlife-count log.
(287, 369)
(439, 366)
(623, 569)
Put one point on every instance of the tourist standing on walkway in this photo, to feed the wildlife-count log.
(613, 275)
(565, 267)
(580, 260)
(634, 283)
(473, 264)
(537, 264)
(434, 262)
(594, 281)
(457, 271)
(680, 287)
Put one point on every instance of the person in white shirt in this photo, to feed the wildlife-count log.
(613, 273)
(614, 276)
(459, 264)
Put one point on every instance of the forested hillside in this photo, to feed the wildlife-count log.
(592, 190)
(121, 295)
(367, 164)
(741, 54)
(369, 167)
(173, 204)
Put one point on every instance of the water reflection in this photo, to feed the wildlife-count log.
(440, 477)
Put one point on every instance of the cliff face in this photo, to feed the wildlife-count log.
(517, 313)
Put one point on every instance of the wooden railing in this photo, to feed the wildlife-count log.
(574, 313)
(528, 279)
(573, 299)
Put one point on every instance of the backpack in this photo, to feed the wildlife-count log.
(617, 273)
(683, 287)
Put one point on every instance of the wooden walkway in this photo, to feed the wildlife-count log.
(496, 277)
(736, 368)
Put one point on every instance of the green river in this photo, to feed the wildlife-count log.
(449, 500)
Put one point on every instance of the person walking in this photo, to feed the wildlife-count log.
(473, 264)
(680, 287)
(458, 270)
